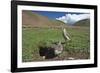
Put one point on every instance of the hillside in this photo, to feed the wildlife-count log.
(32, 19)
(85, 22)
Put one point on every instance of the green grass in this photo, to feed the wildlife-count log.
(33, 37)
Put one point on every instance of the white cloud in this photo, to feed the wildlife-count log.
(72, 18)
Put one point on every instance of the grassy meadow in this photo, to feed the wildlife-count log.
(78, 47)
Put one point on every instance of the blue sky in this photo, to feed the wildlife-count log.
(66, 17)
(54, 15)
(51, 15)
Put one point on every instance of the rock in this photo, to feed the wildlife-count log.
(71, 58)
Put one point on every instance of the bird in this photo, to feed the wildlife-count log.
(59, 47)
(65, 34)
(56, 49)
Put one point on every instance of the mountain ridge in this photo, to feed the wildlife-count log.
(85, 22)
(32, 19)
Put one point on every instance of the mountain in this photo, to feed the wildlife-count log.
(32, 19)
(85, 22)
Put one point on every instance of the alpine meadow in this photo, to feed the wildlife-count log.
(39, 31)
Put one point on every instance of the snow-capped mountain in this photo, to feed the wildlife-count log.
(73, 18)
